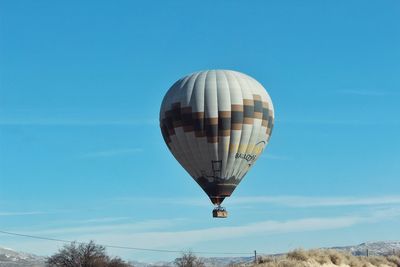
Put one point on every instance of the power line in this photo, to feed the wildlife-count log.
(123, 247)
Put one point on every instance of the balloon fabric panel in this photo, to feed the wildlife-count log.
(216, 124)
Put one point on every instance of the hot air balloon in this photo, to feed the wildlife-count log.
(216, 123)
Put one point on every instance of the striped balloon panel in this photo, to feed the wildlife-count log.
(216, 123)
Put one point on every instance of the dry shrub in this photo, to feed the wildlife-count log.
(298, 254)
(337, 257)
(290, 263)
(319, 257)
(395, 259)
(380, 261)
(353, 261)
(266, 259)
(283, 262)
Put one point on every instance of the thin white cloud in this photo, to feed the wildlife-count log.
(288, 201)
(6, 121)
(88, 221)
(338, 122)
(183, 239)
(303, 201)
(367, 93)
(112, 153)
(99, 220)
(186, 201)
(21, 213)
(130, 227)
(176, 238)
(192, 238)
(384, 214)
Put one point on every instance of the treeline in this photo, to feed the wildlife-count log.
(93, 255)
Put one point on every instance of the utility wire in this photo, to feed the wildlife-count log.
(123, 247)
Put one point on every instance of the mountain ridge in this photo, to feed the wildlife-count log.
(12, 258)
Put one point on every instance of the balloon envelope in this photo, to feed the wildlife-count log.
(217, 123)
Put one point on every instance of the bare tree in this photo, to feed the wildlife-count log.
(84, 255)
(117, 262)
(189, 259)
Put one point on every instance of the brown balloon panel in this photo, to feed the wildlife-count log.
(218, 189)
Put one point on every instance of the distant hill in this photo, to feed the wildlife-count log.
(11, 258)
(373, 248)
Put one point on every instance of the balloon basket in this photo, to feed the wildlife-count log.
(220, 212)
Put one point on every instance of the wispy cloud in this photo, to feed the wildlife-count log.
(184, 239)
(303, 201)
(101, 226)
(112, 153)
(179, 201)
(179, 239)
(10, 120)
(287, 201)
(334, 122)
(367, 93)
(99, 220)
(21, 213)
(161, 234)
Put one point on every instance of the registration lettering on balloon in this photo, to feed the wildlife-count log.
(247, 157)
(251, 157)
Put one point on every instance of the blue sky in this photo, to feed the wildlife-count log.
(82, 157)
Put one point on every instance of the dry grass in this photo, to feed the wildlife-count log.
(327, 258)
